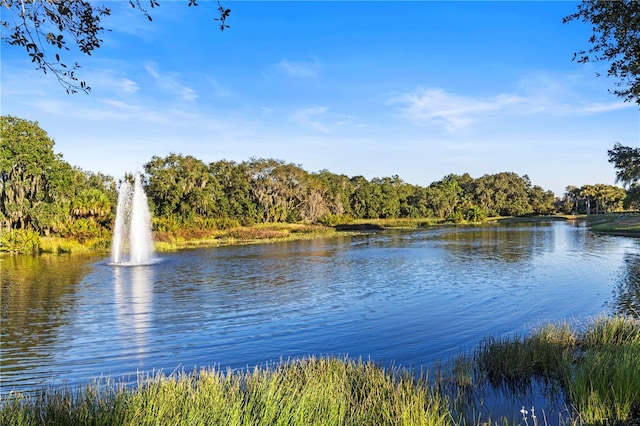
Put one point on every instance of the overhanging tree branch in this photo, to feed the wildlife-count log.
(615, 39)
(39, 25)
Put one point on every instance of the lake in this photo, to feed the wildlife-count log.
(402, 298)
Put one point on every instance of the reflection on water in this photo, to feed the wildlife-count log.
(133, 302)
(37, 292)
(626, 300)
(407, 298)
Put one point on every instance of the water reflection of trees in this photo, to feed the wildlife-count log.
(35, 300)
(626, 294)
(513, 243)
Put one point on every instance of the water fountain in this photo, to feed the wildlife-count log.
(132, 229)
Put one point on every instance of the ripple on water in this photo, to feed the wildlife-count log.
(407, 298)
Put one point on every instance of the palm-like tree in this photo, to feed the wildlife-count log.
(92, 204)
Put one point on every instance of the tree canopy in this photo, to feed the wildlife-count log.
(42, 192)
(626, 161)
(39, 26)
(598, 198)
(615, 39)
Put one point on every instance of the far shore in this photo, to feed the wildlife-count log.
(627, 224)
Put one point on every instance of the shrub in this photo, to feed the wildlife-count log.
(84, 230)
(20, 241)
(475, 214)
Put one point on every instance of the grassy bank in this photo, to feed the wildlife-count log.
(595, 368)
(261, 233)
(27, 242)
(618, 224)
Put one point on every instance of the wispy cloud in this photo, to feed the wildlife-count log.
(100, 110)
(563, 94)
(435, 106)
(300, 69)
(169, 82)
(109, 81)
(319, 118)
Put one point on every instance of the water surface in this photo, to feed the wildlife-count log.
(403, 298)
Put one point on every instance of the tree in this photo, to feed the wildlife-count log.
(541, 201)
(626, 161)
(92, 204)
(26, 162)
(38, 25)
(337, 191)
(588, 192)
(571, 199)
(237, 201)
(504, 194)
(632, 200)
(608, 197)
(42, 192)
(615, 39)
(281, 190)
(181, 186)
(366, 200)
(444, 196)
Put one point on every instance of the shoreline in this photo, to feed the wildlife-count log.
(627, 224)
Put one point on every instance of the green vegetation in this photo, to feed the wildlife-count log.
(590, 199)
(42, 195)
(194, 203)
(321, 391)
(615, 39)
(594, 369)
(622, 224)
(260, 233)
(597, 369)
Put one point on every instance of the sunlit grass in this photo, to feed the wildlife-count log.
(628, 223)
(400, 223)
(596, 367)
(261, 233)
(59, 245)
(312, 391)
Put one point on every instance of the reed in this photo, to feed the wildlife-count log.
(597, 369)
(261, 233)
(605, 332)
(312, 391)
(515, 360)
(604, 380)
(605, 386)
(59, 245)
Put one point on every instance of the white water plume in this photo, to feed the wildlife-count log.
(132, 229)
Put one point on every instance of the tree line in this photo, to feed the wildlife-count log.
(43, 193)
(269, 190)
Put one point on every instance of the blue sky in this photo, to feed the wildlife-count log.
(416, 89)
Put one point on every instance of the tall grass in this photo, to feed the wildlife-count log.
(260, 233)
(514, 360)
(312, 391)
(605, 386)
(604, 381)
(595, 369)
